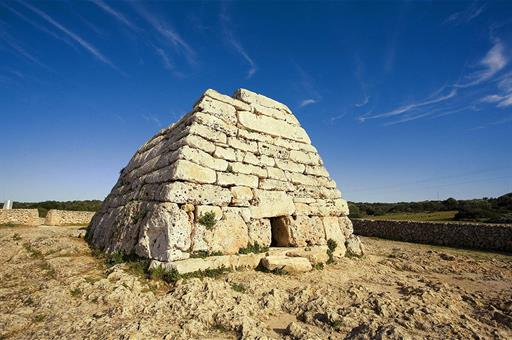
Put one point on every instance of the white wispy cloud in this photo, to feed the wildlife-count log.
(169, 34)
(75, 37)
(471, 12)
(365, 101)
(230, 38)
(153, 119)
(307, 102)
(407, 108)
(116, 14)
(503, 98)
(493, 62)
(20, 50)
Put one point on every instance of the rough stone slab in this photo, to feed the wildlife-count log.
(274, 184)
(231, 179)
(260, 232)
(297, 178)
(215, 123)
(217, 108)
(248, 169)
(271, 204)
(244, 145)
(304, 157)
(243, 212)
(317, 170)
(224, 153)
(288, 264)
(199, 142)
(315, 254)
(207, 133)
(256, 136)
(275, 113)
(289, 165)
(293, 145)
(191, 172)
(255, 98)
(334, 232)
(202, 158)
(238, 104)
(270, 150)
(180, 192)
(276, 173)
(241, 196)
(272, 126)
(228, 235)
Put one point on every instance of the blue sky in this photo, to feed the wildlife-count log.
(404, 100)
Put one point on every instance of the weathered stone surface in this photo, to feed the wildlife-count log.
(231, 179)
(191, 172)
(288, 264)
(260, 232)
(315, 254)
(181, 192)
(228, 235)
(272, 126)
(354, 246)
(271, 204)
(241, 196)
(248, 160)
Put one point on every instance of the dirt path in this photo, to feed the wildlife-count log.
(51, 287)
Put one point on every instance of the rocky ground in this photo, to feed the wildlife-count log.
(51, 287)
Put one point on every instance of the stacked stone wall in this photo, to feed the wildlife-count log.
(247, 159)
(67, 217)
(464, 235)
(29, 217)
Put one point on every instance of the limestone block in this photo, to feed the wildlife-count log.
(267, 161)
(307, 192)
(273, 151)
(272, 126)
(248, 169)
(224, 153)
(238, 104)
(188, 171)
(251, 135)
(289, 144)
(198, 242)
(248, 260)
(202, 158)
(243, 212)
(217, 108)
(354, 246)
(346, 226)
(260, 232)
(291, 166)
(240, 155)
(297, 178)
(207, 133)
(215, 123)
(304, 157)
(165, 233)
(315, 254)
(274, 184)
(201, 210)
(251, 158)
(288, 264)
(199, 142)
(274, 113)
(326, 182)
(271, 204)
(276, 173)
(306, 230)
(244, 145)
(241, 196)
(331, 193)
(332, 207)
(306, 209)
(228, 235)
(180, 192)
(317, 170)
(333, 231)
(231, 179)
(255, 98)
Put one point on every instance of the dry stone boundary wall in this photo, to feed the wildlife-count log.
(29, 217)
(67, 217)
(464, 235)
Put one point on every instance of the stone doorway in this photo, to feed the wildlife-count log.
(280, 231)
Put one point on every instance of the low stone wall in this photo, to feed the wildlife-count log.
(67, 217)
(19, 217)
(464, 235)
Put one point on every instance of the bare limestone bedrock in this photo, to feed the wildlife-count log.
(247, 160)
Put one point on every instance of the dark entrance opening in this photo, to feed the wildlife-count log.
(280, 231)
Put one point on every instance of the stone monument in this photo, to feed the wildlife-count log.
(235, 171)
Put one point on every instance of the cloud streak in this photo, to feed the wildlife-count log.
(116, 14)
(307, 102)
(466, 15)
(75, 37)
(230, 38)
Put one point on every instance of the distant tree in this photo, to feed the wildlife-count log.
(451, 204)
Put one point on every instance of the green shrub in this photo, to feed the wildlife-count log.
(318, 266)
(39, 317)
(253, 248)
(16, 237)
(204, 253)
(75, 292)
(276, 271)
(238, 287)
(207, 219)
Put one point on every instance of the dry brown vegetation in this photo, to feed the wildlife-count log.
(51, 287)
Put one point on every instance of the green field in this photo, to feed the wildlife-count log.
(423, 216)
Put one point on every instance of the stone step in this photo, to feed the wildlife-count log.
(288, 264)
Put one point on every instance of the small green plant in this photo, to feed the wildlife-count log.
(8, 225)
(207, 219)
(29, 301)
(331, 245)
(172, 276)
(75, 292)
(16, 237)
(238, 287)
(318, 266)
(34, 253)
(204, 253)
(276, 271)
(39, 318)
(114, 258)
(253, 248)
